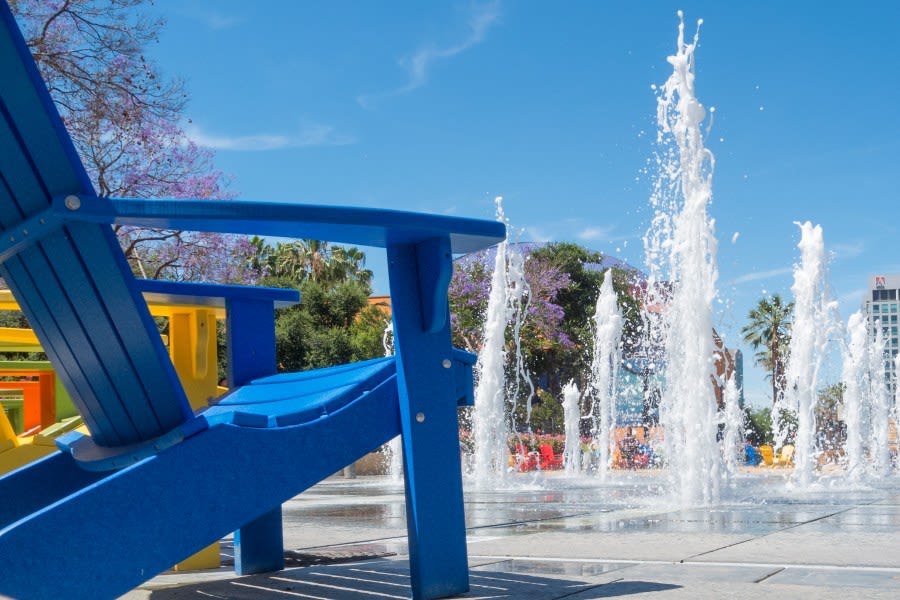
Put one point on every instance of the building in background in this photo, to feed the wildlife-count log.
(881, 309)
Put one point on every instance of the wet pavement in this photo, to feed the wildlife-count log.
(548, 536)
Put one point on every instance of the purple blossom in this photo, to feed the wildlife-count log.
(469, 291)
(123, 118)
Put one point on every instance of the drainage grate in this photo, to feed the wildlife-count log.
(333, 556)
(327, 556)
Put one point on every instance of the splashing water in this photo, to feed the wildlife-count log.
(733, 436)
(489, 423)
(895, 408)
(495, 397)
(679, 346)
(394, 449)
(879, 454)
(867, 401)
(682, 238)
(572, 418)
(854, 375)
(387, 339)
(518, 300)
(813, 324)
(608, 323)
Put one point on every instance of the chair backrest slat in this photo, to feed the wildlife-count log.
(64, 340)
(114, 287)
(55, 345)
(75, 285)
(90, 330)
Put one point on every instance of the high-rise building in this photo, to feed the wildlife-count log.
(882, 311)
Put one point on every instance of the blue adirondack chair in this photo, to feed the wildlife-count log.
(154, 482)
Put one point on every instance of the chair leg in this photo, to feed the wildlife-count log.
(433, 475)
(259, 545)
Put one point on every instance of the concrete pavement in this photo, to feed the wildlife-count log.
(548, 536)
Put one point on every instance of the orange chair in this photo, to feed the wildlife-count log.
(39, 394)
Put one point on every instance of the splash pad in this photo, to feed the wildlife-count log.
(702, 437)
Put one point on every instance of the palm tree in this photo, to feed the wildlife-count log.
(769, 333)
(348, 264)
(316, 254)
(303, 260)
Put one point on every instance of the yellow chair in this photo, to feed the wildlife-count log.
(768, 454)
(785, 456)
(18, 451)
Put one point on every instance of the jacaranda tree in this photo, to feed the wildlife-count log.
(123, 117)
(555, 339)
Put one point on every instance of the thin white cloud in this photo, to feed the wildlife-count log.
(211, 18)
(239, 142)
(760, 275)
(574, 229)
(418, 65)
(535, 234)
(314, 134)
(853, 299)
(595, 234)
(848, 250)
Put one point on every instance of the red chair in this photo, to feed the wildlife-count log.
(525, 460)
(549, 459)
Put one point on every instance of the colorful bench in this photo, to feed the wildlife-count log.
(192, 311)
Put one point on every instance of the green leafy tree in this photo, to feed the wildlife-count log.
(318, 332)
(347, 264)
(367, 333)
(547, 415)
(333, 323)
(769, 334)
(578, 298)
(759, 425)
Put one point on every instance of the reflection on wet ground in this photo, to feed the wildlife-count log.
(374, 514)
(560, 567)
(753, 506)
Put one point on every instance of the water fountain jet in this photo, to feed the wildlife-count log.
(489, 420)
(682, 235)
(608, 324)
(572, 417)
(879, 457)
(854, 375)
(814, 324)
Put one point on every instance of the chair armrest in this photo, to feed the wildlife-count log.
(212, 295)
(364, 226)
(434, 237)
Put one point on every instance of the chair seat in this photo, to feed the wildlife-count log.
(295, 398)
(276, 401)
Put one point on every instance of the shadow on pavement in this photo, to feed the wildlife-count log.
(390, 579)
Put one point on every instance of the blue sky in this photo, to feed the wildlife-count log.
(441, 106)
